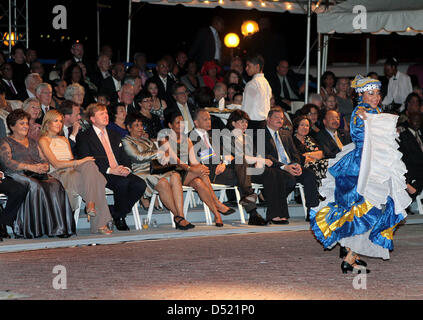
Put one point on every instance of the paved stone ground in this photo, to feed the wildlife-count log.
(271, 266)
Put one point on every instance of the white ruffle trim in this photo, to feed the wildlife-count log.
(327, 189)
(381, 169)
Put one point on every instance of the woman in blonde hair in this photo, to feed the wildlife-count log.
(79, 177)
(32, 106)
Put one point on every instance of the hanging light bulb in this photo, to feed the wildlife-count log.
(231, 40)
(249, 27)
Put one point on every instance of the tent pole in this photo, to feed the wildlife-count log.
(319, 60)
(367, 55)
(129, 31)
(325, 52)
(308, 50)
(98, 30)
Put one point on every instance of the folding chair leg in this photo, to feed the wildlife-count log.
(187, 202)
(303, 200)
(151, 208)
(77, 210)
(240, 208)
(419, 204)
(136, 214)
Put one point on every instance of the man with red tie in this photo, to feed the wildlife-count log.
(106, 147)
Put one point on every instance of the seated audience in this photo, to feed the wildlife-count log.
(16, 194)
(221, 171)
(210, 71)
(151, 122)
(193, 173)
(9, 88)
(126, 97)
(164, 82)
(140, 60)
(112, 84)
(281, 150)
(71, 121)
(159, 104)
(105, 146)
(330, 103)
(411, 147)
(343, 98)
(330, 138)
(33, 108)
(314, 158)
(32, 81)
(101, 70)
(181, 105)
(328, 85)
(44, 92)
(412, 104)
(275, 187)
(74, 74)
(192, 80)
(59, 88)
(232, 90)
(79, 177)
(142, 151)
(233, 77)
(312, 113)
(117, 115)
(46, 209)
(75, 92)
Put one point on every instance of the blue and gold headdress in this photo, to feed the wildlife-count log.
(362, 84)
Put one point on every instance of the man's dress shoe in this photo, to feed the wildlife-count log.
(120, 224)
(257, 220)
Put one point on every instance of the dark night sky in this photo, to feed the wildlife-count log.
(158, 29)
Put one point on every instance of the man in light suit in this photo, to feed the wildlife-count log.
(106, 147)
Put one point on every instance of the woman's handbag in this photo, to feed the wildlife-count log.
(35, 175)
(157, 168)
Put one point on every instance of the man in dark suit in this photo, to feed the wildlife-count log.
(20, 68)
(71, 125)
(222, 171)
(6, 82)
(280, 149)
(180, 104)
(106, 147)
(164, 81)
(16, 194)
(330, 137)
(207, 45)
(126, 96)
(284, 83)
(44, 94)
(112, 85)
(101, 70)
(411, 147)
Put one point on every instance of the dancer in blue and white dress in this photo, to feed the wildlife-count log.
(365, 186)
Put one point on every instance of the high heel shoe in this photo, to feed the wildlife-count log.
(178, 220)
(228, 212)
(345, 267)
(343, 253)
(105, 230)
(219, 224)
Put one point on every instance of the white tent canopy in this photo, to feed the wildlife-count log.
(378, 16)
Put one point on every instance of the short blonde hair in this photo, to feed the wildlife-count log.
(50, 116)
(28, 101)
(93, 108)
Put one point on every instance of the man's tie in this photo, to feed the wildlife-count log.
(338, 142)
(206, 140)
(281, 149)
(11, 86)
(185, 114)
(110, 156)
(285, 89)
(419, 141)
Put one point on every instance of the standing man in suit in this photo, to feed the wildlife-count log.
(164, 81)
(112, 85)
(280, 149)
(207, 45)
(71, 125)
(411, 147)
(331, 138)
(106, 147)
